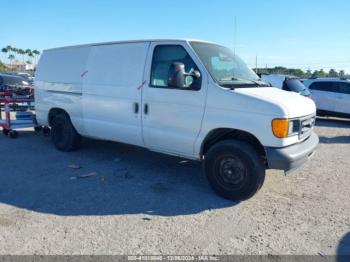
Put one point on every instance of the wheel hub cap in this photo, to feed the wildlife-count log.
(232, 170)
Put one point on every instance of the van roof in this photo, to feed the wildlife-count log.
(131, 41)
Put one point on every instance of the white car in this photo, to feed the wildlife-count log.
(187, 98)
(331, 95)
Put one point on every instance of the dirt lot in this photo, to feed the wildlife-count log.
(140, 202)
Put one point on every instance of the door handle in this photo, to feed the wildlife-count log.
(145, 109)
(136, 108)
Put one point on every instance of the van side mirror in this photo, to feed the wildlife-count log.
(195, 74)
(176, 75)
(178, 78)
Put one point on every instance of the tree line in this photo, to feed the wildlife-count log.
(26, 55)
(302, 74)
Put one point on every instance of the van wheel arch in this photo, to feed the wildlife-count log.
(63, 133)
(217, 135)
(54, 112)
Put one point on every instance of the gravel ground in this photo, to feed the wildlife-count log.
(138, 202)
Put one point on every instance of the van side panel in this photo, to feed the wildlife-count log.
(110, 91)
(58, 84)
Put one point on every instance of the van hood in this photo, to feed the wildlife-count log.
(293, 104)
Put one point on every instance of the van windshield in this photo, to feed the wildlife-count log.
(225, 67)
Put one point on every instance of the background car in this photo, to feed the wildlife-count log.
(331, 95)
(16, 84)
(26, 76)
(287, 83)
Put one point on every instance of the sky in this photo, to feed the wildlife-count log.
(293, 33)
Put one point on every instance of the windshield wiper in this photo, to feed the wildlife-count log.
(254, 82)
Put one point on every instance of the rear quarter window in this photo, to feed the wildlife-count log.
(322, 86)
(344, 88)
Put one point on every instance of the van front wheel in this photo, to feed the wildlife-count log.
(234, 169)
(64, 135)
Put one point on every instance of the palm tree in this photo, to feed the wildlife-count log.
(11, 57)
(9, 49)
(29, 53)
(15, 52)
(36, 53)
(10, 53)
(4, 51)
(22, 53)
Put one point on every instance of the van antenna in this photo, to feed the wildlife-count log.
(235, 36)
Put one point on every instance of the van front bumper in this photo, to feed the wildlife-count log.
(291, 157)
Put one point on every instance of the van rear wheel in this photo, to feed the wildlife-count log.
(234, 169)
(63, 133)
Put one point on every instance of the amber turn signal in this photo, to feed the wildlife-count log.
(280, 127)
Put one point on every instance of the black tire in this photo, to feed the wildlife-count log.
(46, 130)
(235, 169)
(64, 135)
(38, 129)
(5, 132)
(13, 134)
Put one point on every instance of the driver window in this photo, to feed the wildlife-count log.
(163, 57)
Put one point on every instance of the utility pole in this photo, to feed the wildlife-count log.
(256, 64)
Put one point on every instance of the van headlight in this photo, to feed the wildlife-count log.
(282, 127)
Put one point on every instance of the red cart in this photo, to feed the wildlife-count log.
(8, 125)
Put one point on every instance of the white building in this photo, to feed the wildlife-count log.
(20, 66)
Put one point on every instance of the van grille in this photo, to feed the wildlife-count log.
(306, 126)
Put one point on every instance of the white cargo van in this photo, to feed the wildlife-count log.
(192, 99)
